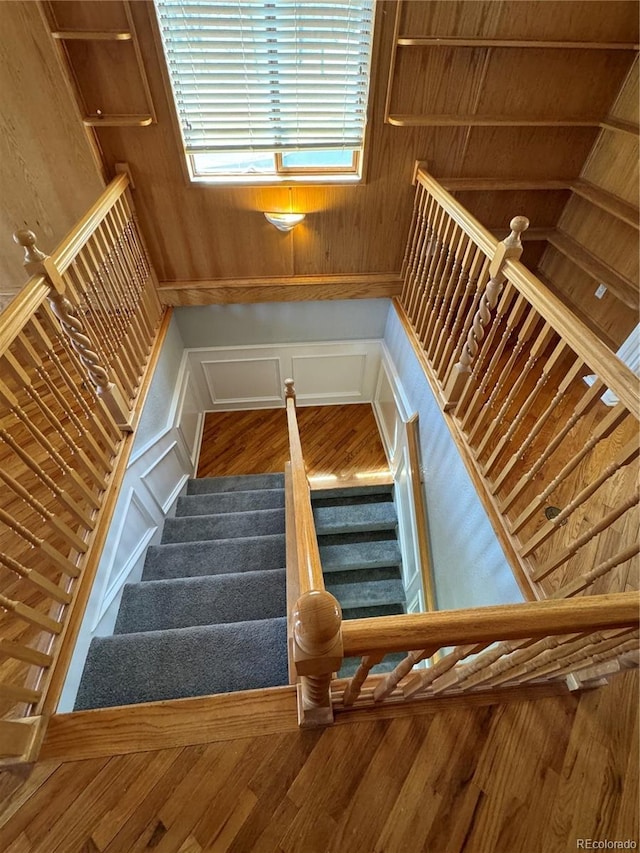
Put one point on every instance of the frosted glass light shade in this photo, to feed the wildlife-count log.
(284, 221)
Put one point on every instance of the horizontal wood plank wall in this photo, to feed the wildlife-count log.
(217, 236)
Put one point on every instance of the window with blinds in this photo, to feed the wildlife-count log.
(269, 89)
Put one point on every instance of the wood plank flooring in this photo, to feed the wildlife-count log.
(520, 777)
(338, 442)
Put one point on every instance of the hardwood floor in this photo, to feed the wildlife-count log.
(519, 777)
(337, 442)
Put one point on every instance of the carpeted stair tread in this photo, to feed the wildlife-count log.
(367, 593)
(359, 554)
(388, 663)
(218, 556)
(351, 491)
(242, 483)
(224, 525)
(355, 518)
(184, 602)
(369, 612)
(210, 504)
(352, 500)
(126, 669)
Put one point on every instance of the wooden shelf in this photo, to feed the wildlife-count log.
(118, 120)
(608, 202)
(502, 184)
(620, 286)
(487, 121)
(92, 35)
(419, 41)
(620, 126)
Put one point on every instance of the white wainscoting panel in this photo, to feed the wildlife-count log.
(252, 377)
(243, 380)
(189, 416)
(166, 476)
(329, 376)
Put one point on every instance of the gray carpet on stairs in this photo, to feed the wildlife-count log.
(145, 667)
(216, 556)
(185, 602)
(209, 615)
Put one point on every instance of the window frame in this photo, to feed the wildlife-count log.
(312, 176)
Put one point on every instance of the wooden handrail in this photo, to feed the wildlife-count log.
(488, 624)
(422, 537)
(23, 305)
(617, 376)
(309, 566)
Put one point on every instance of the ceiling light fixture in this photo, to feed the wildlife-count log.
(284, 221)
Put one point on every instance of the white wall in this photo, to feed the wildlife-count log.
(163, 457)
(282, 322)
(469, 566)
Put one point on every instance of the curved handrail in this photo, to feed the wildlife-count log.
(616, 375)
(487, 624)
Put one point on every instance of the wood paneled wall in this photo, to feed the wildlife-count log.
(612, 167)
(475, 111)
(48, 174)
(205, 233)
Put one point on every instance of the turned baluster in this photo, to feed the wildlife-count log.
(389, 684)
(578, 654)
(478, 278)
(539, 345)
(16, 651)
(421, 681)
(427, 254)
(69, 535)
(579, 584)
(599, 653)
(36, 542)
(509, 248)
(439, 259)
(58, 428)
(584, 405)
(445, 278)
(13, 405)
(469, 271)
(36, 262)
(32, 576)
(353, 688)
(574, 373)
(524, 333)
(420, 200)
(472, 397)
(78, 512)
(317, 653)
(417, 268)
(603, 430)
(30, 356)
(30, 615)
(628, 453)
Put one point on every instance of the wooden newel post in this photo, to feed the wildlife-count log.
(318, 653)
(37, 263)
(509, 248)
(289, 390)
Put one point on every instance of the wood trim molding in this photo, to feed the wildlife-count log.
(297, 288)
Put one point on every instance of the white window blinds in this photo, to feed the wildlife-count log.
(284, 75)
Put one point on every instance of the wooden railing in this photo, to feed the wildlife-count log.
(315, 615)
(74, 344)
(557, 469)
(489, 648)
(555, 466)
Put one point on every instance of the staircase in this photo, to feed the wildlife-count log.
(360, 555)
(209, 615)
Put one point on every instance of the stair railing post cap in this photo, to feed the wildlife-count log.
(316, 621)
